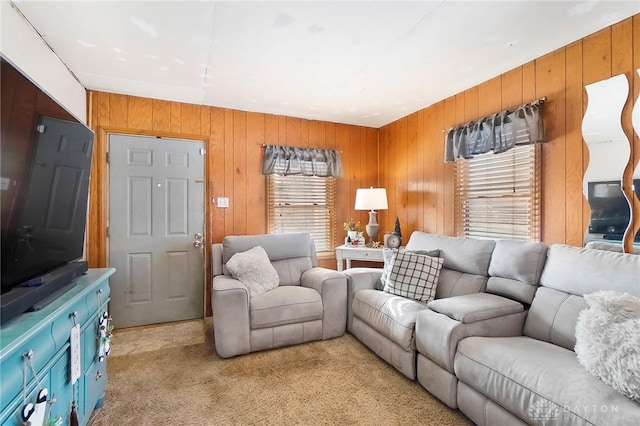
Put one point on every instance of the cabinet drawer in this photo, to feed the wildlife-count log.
(61, 327)
(100, 294)
(11, 366)
(55, 378)
(95, 382)
(370, 256)
(12, 412)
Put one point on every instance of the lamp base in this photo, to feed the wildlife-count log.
(372, 228)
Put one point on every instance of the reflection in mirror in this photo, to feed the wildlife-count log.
(609, 151)
(635, 120)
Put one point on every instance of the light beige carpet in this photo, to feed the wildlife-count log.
(335, 382)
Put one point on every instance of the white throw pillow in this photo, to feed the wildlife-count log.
(608, 340)
(389, 255)
(254, 269)
(414, 276)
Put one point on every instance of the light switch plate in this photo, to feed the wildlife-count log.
(223, 202)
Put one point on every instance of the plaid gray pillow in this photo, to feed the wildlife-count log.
(414, 276)
(389, 256)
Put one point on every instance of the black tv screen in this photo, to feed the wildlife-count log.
(610, 211)
(45, 167)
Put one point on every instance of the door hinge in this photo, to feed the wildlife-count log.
(203, 151)
(107, 232)
(108, 157)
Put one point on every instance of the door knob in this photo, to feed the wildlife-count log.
(199, 240)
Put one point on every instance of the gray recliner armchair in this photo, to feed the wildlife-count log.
(310, 302)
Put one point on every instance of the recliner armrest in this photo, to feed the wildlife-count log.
(227, 282)
(230, 306)
(363, 278)
(449, 320)
(475, 307)
(317, 276)
(359, 279)
(332, 286)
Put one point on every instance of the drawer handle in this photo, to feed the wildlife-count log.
(98, 375)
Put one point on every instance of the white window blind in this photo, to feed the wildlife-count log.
(498, 195)
(298, 203)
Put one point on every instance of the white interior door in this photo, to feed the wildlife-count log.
(156, 215)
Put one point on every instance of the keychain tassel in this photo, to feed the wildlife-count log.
(74, 415)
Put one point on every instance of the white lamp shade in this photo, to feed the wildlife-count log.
(371, 199)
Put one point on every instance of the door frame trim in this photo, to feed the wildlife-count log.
(97, 240)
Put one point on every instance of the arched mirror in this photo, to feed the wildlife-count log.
(635, 120)
(609, 152)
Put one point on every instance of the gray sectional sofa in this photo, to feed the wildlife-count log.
(498, 341)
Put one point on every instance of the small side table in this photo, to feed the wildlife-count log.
(349, 253)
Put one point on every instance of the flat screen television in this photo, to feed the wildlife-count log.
(609, 209)
(45, 165)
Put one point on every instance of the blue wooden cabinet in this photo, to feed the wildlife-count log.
(46, 333)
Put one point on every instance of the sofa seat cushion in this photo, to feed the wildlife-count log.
(392, 316)
(533, 379)
(285, 305)
(475, 307)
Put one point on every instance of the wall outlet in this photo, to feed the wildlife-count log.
(223, 202)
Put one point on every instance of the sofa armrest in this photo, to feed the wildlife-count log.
(363, 278)
(438, 333)
(216, 259)
(332, 286)
(475, 307)
(359, 279)
(230, 306)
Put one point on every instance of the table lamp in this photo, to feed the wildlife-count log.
(372, 199)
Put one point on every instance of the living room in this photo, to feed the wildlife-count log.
(404, 155)
(237, 135)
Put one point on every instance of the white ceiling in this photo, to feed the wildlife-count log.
(363, 62)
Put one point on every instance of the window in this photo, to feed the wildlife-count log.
(297, 203)
(498, 195)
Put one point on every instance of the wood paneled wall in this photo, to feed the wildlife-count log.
(420, 184)
(405, 156)
(233, 160)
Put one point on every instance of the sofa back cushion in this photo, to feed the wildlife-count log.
(605, 245)
(570, 272)
(466, 262)
(515, 269)
(290, 254)
(581, 271)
